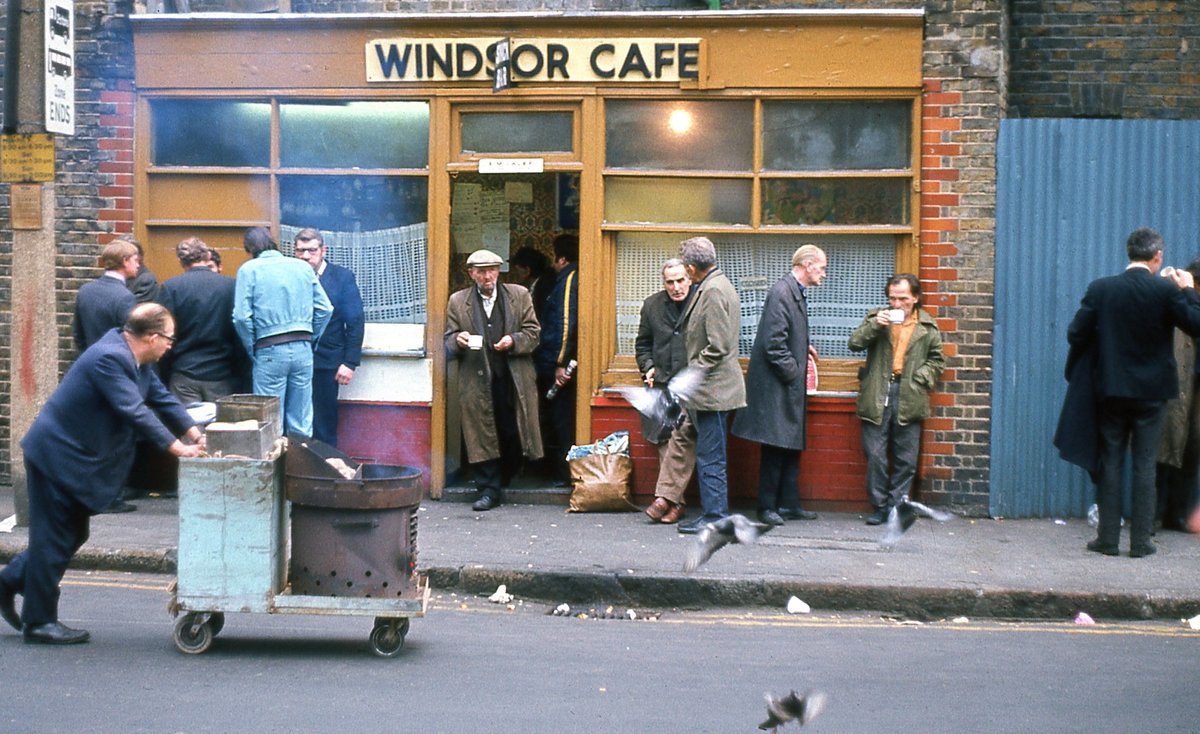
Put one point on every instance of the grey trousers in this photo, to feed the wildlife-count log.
(676, 462)
(901, 444)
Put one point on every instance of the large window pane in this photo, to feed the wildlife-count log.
(836, 201)
(517, 132)
(669, 200)
(818, 136)
(859, 265)
(679, 135)
(187, 132)
(373, 225)
(336, 134)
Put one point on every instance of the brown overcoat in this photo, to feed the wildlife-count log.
(464, 312)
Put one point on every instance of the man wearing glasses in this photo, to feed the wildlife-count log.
(78, 453)
(339, 350)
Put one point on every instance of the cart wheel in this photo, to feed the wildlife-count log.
(217, 622)
(387, 638)
(193, 637)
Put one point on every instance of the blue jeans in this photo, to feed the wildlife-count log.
(286, 371)
(712, 433)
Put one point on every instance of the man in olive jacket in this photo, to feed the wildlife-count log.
(492, 331)
(904, 362)
(713, 321)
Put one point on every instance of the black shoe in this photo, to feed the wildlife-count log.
(878, 517)
(486, 501)
(770, 517)
(118, 506)
(1141, 551)
(795, 513)
(8, 607)
(55, 633)
(1096, 546)
(691, 527)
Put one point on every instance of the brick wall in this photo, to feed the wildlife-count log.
(1105, 58)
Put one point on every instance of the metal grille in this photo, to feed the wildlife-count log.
(859, 265)
(389, 265)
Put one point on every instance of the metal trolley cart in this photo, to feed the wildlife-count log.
(352, 536)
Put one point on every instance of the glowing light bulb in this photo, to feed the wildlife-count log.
(679, 121)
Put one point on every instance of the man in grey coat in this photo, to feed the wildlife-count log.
(492, 331)
(775, 412)
(713, 320)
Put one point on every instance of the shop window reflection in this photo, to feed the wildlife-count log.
(359, 134)
(679, 134)
(214, 133)
(819, 136)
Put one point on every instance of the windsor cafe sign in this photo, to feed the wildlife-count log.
(533, 59)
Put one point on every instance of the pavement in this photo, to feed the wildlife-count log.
(973, 567)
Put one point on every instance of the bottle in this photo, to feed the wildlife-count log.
(570, 373)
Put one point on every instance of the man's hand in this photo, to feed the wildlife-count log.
(649, 378)
(881, 317)
(560, 376)
(196, 436)
(344, 375)
(505, 343)
(812, 352)
(461, 339)
(179, 448)
(1182, 278)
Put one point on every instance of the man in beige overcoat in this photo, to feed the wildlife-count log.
(492, 331)
(714, 319)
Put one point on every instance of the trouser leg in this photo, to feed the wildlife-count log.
(1147, 421)
(677, 462)
(58, 526)
(906, 445)
(711, 445)
(1113, 435)
(782, 466)
(325, 405)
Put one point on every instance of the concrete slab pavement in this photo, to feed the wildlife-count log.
(972, 567)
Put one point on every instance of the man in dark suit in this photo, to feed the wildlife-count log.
(776, 407)
(208, 361)
(661, 352)
(1130, 319)
(78, 453)
(339, 351)
(559, 317)
(104, 303)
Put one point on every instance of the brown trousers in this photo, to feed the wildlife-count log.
(676, 462)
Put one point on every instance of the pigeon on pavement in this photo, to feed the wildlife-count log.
(902, 516)
(793, 707)
(720, 533)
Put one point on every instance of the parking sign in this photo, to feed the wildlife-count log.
(60, 66)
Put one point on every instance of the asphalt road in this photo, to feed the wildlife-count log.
(473, 666)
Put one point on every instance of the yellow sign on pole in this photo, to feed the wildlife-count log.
(26, 158)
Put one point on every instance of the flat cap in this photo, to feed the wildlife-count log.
(483, 259)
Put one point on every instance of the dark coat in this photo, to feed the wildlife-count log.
(660, 338)
(101, 305)
(84, 436)
(207, 346)
(660, 346)
(1131, 319)
(775, 407)
(559, 317)
(464, 312)
(1077, 436)
(341, 344)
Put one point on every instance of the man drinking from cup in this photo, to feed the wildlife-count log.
(904, 362)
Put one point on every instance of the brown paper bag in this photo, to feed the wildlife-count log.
(601, 483)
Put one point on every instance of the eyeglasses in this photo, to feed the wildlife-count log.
(170, 339)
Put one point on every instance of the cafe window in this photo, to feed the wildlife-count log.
(355, 169)
(517, 132)
(761, 177)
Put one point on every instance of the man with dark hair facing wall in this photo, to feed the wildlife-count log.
(79, 451)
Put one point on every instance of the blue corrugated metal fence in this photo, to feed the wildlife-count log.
(1068, 194)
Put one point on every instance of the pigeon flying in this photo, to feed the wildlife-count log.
(793, 707)
(720, 533)
(662, 405)
(902, 516)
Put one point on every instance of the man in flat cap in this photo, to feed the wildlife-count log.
(492, 331)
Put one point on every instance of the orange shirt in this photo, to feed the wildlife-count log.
(901, 334)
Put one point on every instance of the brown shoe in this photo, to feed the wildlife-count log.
(659, 507)
(674, 515)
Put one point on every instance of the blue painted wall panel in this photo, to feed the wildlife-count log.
(1068, 194)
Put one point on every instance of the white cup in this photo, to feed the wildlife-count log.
(475, 341)
(896, 315)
